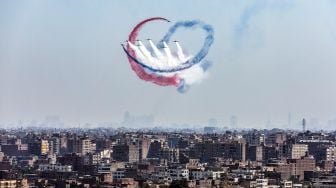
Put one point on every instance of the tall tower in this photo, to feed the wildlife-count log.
(289, 119)
(304, 125)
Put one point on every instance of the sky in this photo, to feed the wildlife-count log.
(270, 58)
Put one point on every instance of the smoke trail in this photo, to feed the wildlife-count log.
(137, 68)
(192, 25)
(195, 60)
(180, 53)
(164, 68)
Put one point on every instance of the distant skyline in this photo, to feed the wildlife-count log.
(130, 120)
(270, 58)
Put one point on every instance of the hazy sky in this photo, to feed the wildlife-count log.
(270, 58)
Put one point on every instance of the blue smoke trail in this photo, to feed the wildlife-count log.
(196, 59)
(193, 24)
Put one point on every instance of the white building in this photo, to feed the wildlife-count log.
(105, 168)
(204, 174)
(262, 183)
(199, 174)
(54, 168)
(179, 173)
(287, 184)
(85, 145)
(331, 153)
(104, 155)
(161, 174)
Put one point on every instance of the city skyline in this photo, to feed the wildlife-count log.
(167, 94)
(270, 58)
(148, 121)
(166, 158)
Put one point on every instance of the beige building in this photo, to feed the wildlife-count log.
(298, 151)
(44, 147)
(296, 167)
(85, 145)
(23, 183)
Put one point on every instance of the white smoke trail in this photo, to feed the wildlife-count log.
(157, 52)
(164, 58)
(179, 51)
(146, 53)
(137, 52)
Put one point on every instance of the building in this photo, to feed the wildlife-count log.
(154, 149)
(198, 174)
(330, 153)
(85, 145)
(144, 147)
(55, 168)
(259, 183)
(44, 147)
(125, 183)
(105, 168)
(179, 173)
(255, 153)
(55, 145)
(276, 139)
(105, 157)
(126, 153)
(172, 155)
(317, 142)
(38, 147)
(254, 138)
(11, 183)
(14, 149)
(232, 149)
(286, 184)
(118, 174)
(328, 166)
(296, 167)
(298, 151)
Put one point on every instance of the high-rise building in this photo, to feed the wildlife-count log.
(233, 149)
(255, 138)
(154, 149)
(172, 155)
(173, 141)
(276, 139)
(44, 147)
(255, 153)
(144, 147)
(38, 147)
(51, 146)
(126, 152)
(85, 145)
(330, 153)
(56, 145)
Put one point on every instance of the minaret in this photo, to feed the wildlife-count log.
(304, 125)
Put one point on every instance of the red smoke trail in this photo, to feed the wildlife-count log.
(142, 74)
